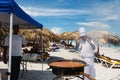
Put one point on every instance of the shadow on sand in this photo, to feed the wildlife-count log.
(37, 75)
(33, 75)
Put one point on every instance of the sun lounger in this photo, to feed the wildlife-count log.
(97, 59)
(104, 60)
(109, 62)
(114, 63)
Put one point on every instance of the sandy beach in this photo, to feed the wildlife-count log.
(37, 72)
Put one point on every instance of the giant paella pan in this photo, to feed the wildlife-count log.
(68, 68)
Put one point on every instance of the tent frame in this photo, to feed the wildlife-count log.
(10, 44)
(10, 9)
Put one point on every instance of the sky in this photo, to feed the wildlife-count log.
(69, 15)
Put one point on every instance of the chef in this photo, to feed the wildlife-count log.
(87, 48)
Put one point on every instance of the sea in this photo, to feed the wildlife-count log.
(111, 46)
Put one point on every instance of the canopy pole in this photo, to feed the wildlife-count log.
(10, 44)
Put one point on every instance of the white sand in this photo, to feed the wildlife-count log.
(109, 52)
(35, 71)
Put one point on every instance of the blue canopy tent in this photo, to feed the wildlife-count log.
(11, 13)
(19, 16)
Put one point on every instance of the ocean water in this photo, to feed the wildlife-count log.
(111, 46)
(73, 42)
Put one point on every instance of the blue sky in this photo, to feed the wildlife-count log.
(69, 15)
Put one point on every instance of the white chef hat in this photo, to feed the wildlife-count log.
(82, 31)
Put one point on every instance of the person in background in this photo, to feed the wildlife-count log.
(77, 44)
(70, 44)
(87, 48)
(55, 46)
(17, 42)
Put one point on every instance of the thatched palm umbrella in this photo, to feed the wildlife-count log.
(103, 37)
(36, 35)
(3, 33)
(114, 40)
(52, 37)
(75, 35)
(68, 36)
(31, 34)
(46, 32)
(56, 38)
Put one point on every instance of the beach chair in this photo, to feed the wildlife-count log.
(109, 62)
(71, 49)
(114, 63)
(104, 60)
(97, 59)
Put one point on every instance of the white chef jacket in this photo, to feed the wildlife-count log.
(87, 55)
(86, 49)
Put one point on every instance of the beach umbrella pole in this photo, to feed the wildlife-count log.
(42, 62)
(42, 50)
(10, 44)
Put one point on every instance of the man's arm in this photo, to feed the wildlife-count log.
(92, 44)
(24, 41)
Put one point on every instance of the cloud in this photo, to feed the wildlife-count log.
(52, 11)
(108, 11)
(112, 17)
(57, 30)
(97, 25)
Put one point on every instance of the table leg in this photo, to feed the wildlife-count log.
(24, 66)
